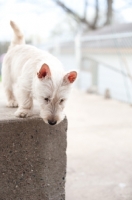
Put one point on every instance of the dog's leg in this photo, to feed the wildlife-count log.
(25, 103)
(8, 86)
(11, 102)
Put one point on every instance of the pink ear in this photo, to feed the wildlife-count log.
(44, 71)
(70, 77)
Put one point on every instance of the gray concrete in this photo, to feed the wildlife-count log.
(32, 157)
(99, 149)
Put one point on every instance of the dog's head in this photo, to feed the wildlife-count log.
(52, 93)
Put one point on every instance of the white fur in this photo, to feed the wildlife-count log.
(21, 83)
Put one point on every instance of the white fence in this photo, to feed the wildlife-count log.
(104, 63)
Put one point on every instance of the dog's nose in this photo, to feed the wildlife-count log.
(52, 122)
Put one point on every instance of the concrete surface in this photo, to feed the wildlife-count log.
(99, 149)
(32, 157)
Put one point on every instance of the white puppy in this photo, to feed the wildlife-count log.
(28, 73)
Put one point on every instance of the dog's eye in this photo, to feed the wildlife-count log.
(46, 99)
(61, 101)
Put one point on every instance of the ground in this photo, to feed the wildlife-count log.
(99, 164)
(99, 151)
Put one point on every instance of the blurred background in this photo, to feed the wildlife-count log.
(94, 37)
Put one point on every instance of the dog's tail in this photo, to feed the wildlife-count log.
(18, 35)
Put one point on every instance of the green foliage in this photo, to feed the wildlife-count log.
(4, 46)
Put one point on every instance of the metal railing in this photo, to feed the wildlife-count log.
(96, 48)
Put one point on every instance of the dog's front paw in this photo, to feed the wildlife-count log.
(12, 104)
(22, 113)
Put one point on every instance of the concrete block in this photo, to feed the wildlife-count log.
(32, 158)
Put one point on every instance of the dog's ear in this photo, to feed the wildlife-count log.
(70, 77)
(44, 71)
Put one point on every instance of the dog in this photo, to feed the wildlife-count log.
(29, 73)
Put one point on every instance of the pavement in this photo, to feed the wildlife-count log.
(99, 165)
(99, 152)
